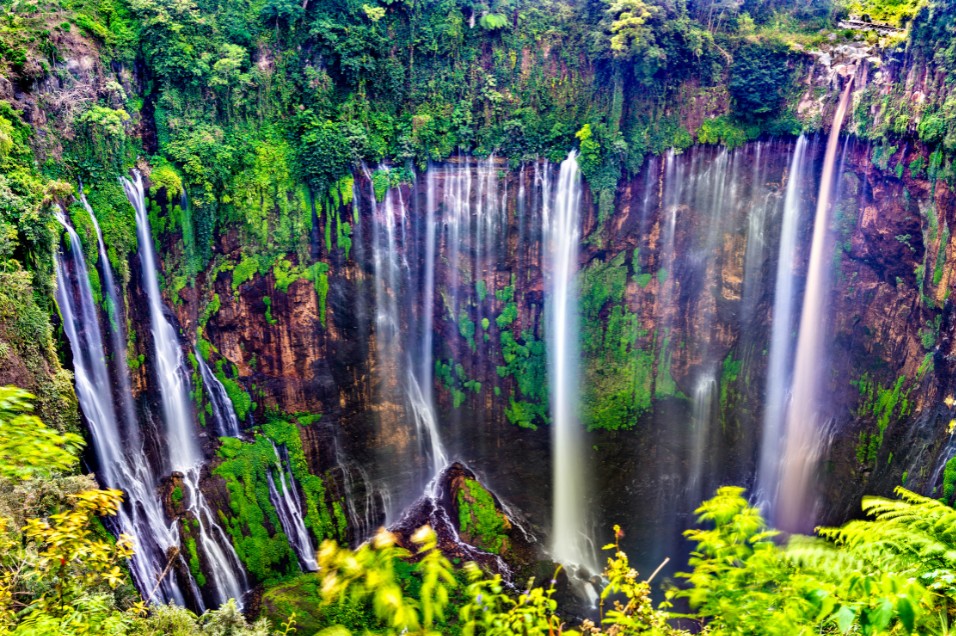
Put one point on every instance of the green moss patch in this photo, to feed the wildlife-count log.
(479, 521)
(254, 525)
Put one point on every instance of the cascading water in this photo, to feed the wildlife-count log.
(223, 412)
(795, 498)
(115, 316)
(286, 501)
(457, 221)
(703, 417)
(426, 358)
(288, 505)
(141, 516)
(395, 326)
(703, 223)
(757, 231)
(182, 445)
(365, 504)
(570, 543)
(781, 339)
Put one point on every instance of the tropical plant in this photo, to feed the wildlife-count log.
(744, 583)
(29, 448)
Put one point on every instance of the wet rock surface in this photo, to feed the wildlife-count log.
(698, 261)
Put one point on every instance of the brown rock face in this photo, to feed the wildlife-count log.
(286, 353)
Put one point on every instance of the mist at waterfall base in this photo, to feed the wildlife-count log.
(422, 251)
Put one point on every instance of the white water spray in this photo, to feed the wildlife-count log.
(781, 339)
(141, 516)
(795, 498)
(562, 230)
(183, 451)
(406, 363)
(287, 502)
(223, 411)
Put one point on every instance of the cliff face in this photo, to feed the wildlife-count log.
(677, 289)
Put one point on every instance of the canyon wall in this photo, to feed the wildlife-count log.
(677, 289)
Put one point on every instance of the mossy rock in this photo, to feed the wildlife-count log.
(479, 520)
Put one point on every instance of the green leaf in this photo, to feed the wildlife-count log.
(906, 614)
(844, 618)
(881, 616)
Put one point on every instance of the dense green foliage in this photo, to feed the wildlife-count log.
(27, 238)
(27, 446)
(61, 573)
(249, 118)
(254, 525)
(889, 574)
(623, 371)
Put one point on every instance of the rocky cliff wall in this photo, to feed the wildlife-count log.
(677, 292)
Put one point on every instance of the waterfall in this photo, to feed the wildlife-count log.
(795, 499)
(116, 329)
(562, 230)
(703, 417)
(426, 363)
(457, 219)
(757, 225)
(180, 435)
(141, 516)
(781, 338)
(182, 445)
(223, 411)
(405, 364)
(288, 505)
(365, 505)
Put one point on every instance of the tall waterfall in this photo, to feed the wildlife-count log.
(223, 411)
(117, 330)
(569, 537)
(182, 445)
(781, 339)
(287, 501)
(402, 358)
(795, 499)
(141, 516)
(180, 437)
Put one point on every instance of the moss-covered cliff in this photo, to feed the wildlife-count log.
(277, 139)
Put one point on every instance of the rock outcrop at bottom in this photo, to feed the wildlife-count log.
(472, 525)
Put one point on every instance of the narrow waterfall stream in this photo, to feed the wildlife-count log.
(570, 540)
(223, 412)
(182, 446)
(780, 362)
(796, 500)
(287, 501)
(141, 516)
(117, 328)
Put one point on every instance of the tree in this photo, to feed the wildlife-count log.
(628, 24)
(758, 78)
(59, 562)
